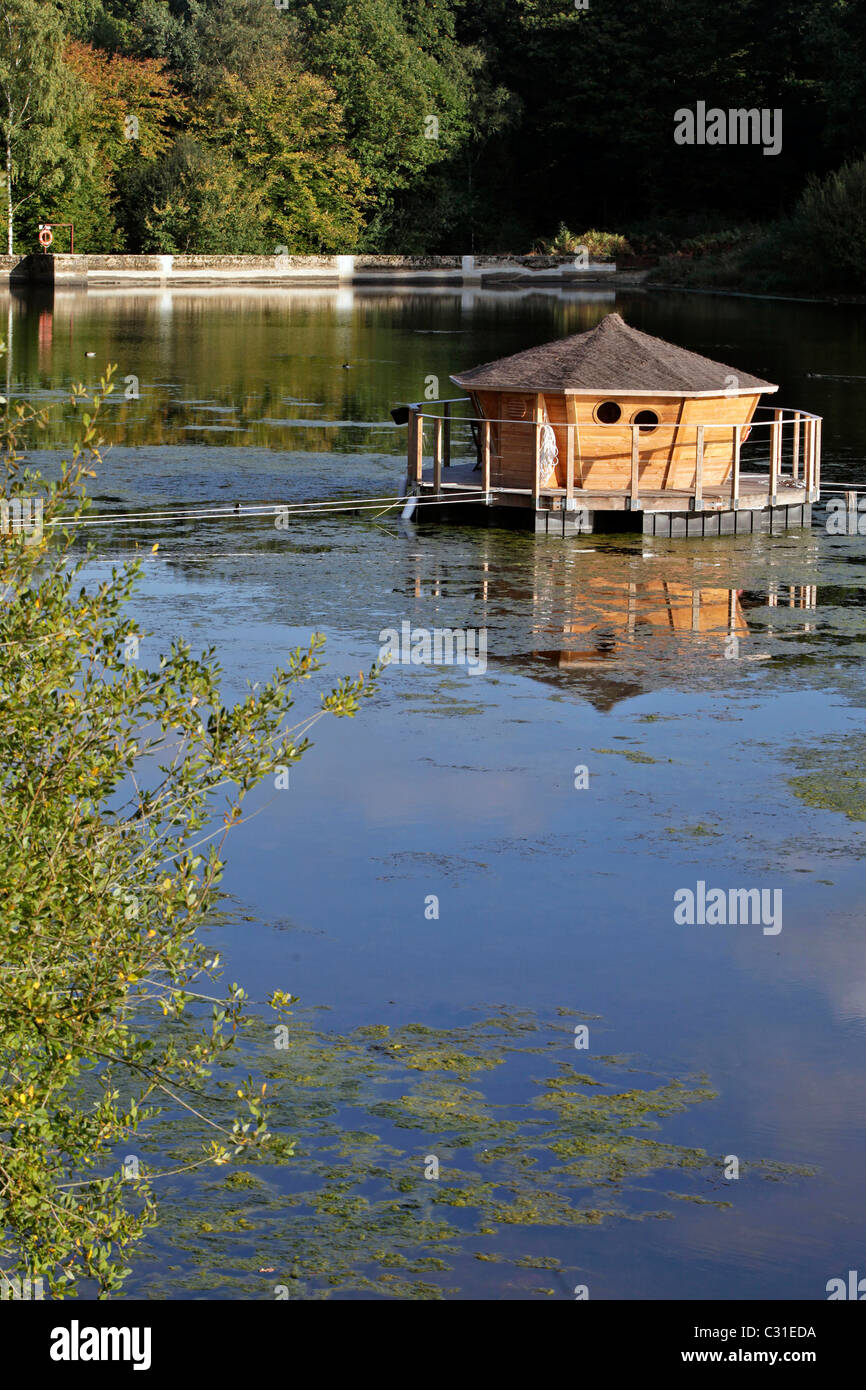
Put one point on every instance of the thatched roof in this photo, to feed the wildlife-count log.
(611, 358)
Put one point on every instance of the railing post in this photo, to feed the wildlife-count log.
(699, 470)
(809, 457)
(573, 440)
(569, 461)
(735, 472)
(634, 492)
(536, 451)
(437, 454)
(485, 456)
(807, 444)
(795, 464)
(775, 455)
(416, 444)
(447, 449)
(816, 471)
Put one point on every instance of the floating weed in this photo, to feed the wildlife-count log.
(831, 776)
(840, 789)
(693, 1197)
(240, 1179)
(394, 1150)
(698, 831)
(443, 1059)
(633, 755)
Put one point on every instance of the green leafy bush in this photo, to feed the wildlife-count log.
(600, 246)
(120, 785)
(828, 228)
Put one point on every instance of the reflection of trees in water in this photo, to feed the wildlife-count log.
(249, 363)
(266, 355)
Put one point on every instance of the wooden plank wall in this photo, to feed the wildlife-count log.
(603, 459)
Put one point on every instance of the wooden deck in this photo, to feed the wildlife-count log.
(668, 512)
(713, 490)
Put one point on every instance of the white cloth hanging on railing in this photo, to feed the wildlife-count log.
(548, 453)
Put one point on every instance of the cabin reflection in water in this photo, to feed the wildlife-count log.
(618, 611)
(615, 613)
(592, 623)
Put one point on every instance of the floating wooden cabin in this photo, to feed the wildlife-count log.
(615, 429)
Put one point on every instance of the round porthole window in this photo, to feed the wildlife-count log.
(647, 420)
(607, 413)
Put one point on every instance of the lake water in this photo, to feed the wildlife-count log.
(738, 769)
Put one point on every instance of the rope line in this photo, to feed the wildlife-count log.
(304, 509)
(215, 509)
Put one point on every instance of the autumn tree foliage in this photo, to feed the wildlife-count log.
(413, 125)
(132, 103)
(286, 131)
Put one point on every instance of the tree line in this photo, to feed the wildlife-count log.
(411, 126)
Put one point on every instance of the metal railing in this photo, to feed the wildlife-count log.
(798, 465)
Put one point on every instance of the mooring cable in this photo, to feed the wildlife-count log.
(216, 509)
(299, 511)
